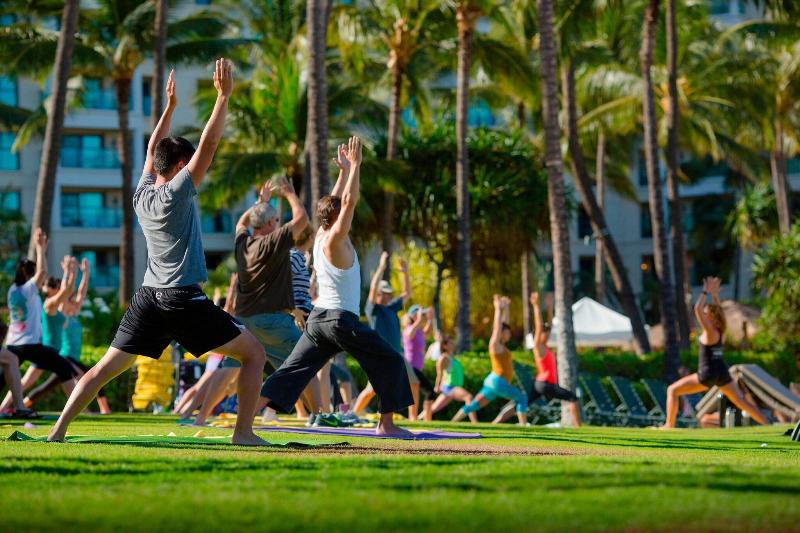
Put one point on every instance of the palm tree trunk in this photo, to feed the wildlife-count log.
(525, 274)
(391, 151)
(583, 183)
(600, 193)
(465, 18)
(675, 208)
(126, 257)
(159, 62)
(317, 126)
(437, 295)
(556, 195)
(780, 183)
(51, 144)
(669, 316)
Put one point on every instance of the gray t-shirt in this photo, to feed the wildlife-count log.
(383, 319)
(170, 222)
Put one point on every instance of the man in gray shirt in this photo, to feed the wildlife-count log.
(170, 304)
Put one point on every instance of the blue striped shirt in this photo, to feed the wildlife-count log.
(301, 280)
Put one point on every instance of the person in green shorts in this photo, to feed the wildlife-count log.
(450, 379)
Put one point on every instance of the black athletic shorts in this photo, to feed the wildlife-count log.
(45, 358)
(157, 316)
(714, 373)
(551, 391)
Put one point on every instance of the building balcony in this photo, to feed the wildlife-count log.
(72, 157)
(91, 217)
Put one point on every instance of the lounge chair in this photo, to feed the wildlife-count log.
(632, 404)
(658, 393)
(600, 409)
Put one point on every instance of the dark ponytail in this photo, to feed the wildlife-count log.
(26, 269)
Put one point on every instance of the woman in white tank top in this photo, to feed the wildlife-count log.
(338, 289)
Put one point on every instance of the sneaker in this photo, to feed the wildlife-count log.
(350, 419)
(327, 420)
(312, 418)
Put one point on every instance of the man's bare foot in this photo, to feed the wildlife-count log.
(55, 437)
(386, 427)
(250, 439)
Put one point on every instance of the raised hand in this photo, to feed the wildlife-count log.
(265, 193)
(496, 299)
(85, 266)
(285, 187)
(65, 261)
(402, 265)
(506, 301)
(384, 259)
(353, 153)
(341, 159)
(223, 77)
(40, 238)
(172, 100)
(73, 265)
(429, 314)
(534, 298)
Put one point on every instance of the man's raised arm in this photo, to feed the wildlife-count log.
(162, 128)
(350, 192)
(209, 140)
(299, 221)
(344, 170)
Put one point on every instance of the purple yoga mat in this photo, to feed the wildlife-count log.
(370, 432)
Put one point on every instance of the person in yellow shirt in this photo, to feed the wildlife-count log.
(498, 383)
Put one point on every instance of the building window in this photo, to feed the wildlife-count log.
(645, 223)
(8, 91)
(147, 96)
(10, 201)
(87, 151)
(8, 159)
(202, 2)
(219, 222)
(7, 20)
(104, 263)
(97, 97)
(719, 7)
(91, 209)
(584, 224)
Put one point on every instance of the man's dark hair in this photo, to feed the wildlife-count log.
(52, 282)
(328, 209)
(169, 152)
(25, 270)
(506, 327)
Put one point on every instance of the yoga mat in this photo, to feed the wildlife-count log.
(370, 432)
(163, 439)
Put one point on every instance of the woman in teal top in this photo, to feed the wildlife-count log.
(63, 331)
(450, 379)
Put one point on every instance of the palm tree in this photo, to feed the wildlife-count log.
(51, 145)
(611, 253)
(467, 13)
(318, 12)
(159, 61)
(600, 196)
(673, 194)
(660, 245)
(556, 193)
(577, 25)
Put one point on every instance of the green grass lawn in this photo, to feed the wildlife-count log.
(587, 479)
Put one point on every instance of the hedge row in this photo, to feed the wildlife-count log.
(477, 365)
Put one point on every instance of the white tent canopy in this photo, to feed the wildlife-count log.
(596, 325)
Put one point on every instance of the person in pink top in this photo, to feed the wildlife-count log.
(417, 324)
(546, 383)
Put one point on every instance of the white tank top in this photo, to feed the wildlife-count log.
(337, 289)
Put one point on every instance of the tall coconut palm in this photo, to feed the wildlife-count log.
(51, 144)
(660, 245)
(159, 61)
(581, 44)
(675, 209)
(600, 196)
(467, 13)
(556, 193)
(318, 12)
